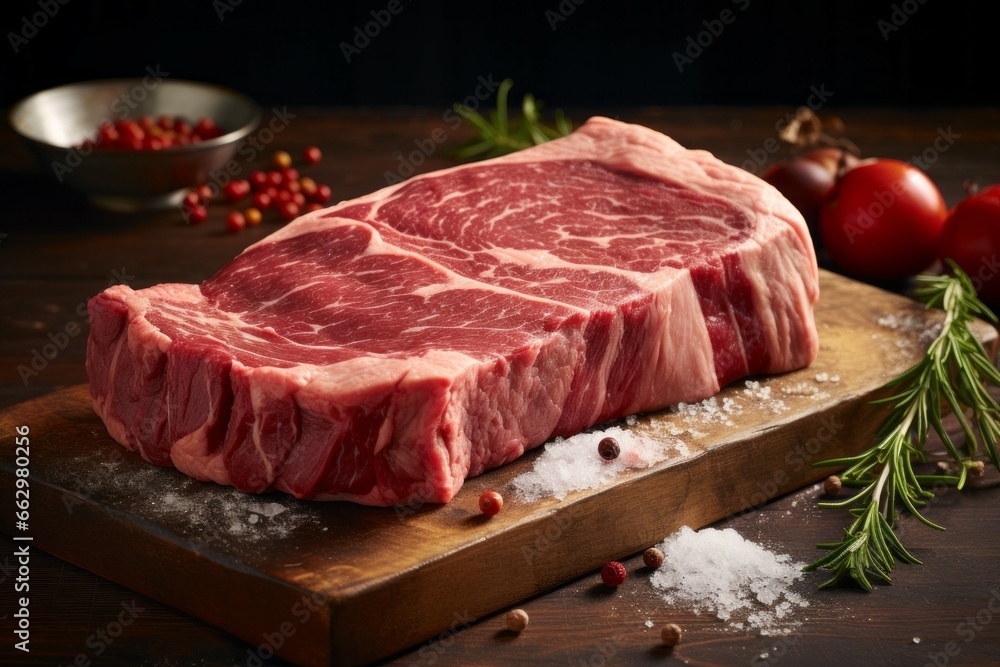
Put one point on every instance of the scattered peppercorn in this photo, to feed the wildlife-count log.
(490, 503)
(312, 155)
(282, 160)
(196, 214)
(613, 574)
(517, 620)
(262, 201)
(323, 194)
(671, 634)
(235, 222)
(608, 449)
(832, 485)
(253, 216)
(652, 557)
(288, 210)
(236, 190)
(308, 186)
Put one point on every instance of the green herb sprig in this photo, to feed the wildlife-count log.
(954, 372)
(502, 134)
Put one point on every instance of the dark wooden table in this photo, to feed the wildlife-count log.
(56, 252)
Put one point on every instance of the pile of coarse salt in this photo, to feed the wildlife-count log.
(739, 581)
(573, 464)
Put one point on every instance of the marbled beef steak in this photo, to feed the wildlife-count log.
(386, 348)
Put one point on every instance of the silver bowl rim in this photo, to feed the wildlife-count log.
(221, 140)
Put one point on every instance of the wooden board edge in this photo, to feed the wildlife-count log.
(391, 616)
(260, 610)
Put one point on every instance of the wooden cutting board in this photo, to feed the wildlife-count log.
(336, 583)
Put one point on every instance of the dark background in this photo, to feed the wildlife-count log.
(604, 54)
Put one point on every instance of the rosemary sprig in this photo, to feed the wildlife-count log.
(953, 372)
(502, 134)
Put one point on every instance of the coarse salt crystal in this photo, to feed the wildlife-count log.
(737, 580)
(573, 464)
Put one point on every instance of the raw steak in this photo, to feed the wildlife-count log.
(386, 348)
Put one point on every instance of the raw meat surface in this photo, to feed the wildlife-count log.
(384, 349)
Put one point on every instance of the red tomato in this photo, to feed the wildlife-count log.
(884, 221)
(971, 237)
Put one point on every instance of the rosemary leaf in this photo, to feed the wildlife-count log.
(954, 371)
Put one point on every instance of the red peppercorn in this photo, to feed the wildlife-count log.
(182, 127)
(165, 122)
(275, 178)
(192, 198)
(196, 214)
(291, 174)
(235, 222)
(312, 155)
(608, 449)
(107, 135)
(206, 128)
(323, 194)
(313, 206)
(258, 180)
(262, 201)
(271, 192)
(613, 574)
(147, 122)
(490, 503)
(131, 132)
(292, 186)
(205, 192)
(236, 190)
(288, 210)
(299, 199)
(283, 196)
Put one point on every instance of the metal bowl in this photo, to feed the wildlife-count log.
(56, 121)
